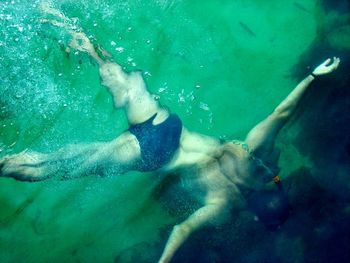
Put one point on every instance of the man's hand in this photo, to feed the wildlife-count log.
(81, 42)
(326, 68)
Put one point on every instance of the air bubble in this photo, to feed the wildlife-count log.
(191, 96)
(119, 49)
(204, 106)
(162, 90)
(181, 96)
(20, 93)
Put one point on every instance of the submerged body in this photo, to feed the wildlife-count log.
(228, 172)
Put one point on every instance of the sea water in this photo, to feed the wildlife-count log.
(221, 65)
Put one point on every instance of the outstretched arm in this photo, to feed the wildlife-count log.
(262, 137)
(127, 89)
(289, 104)
(181, 232)
(112, 75)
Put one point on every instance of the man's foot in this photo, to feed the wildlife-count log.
(23, 166)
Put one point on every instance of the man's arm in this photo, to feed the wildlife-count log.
(112, 75)
(203, 216)
(289, 104)
(127, 89)
(261, 138)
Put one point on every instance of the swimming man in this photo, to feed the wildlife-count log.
(156, 140)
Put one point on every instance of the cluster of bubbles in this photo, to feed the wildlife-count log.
(28, 89)
(188, 100)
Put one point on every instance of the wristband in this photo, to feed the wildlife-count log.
(312, 74)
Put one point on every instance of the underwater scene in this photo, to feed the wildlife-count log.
(175, 131)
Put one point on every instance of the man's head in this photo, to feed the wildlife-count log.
(271, 207)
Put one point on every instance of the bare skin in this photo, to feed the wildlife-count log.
(221, 167)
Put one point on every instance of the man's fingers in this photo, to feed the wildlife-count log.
(336, 62)
(46, 8)
(332, 66)
(52, 22)
(326, 62)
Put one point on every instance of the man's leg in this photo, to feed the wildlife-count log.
(75, 160)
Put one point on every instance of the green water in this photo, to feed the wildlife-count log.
(221, 65)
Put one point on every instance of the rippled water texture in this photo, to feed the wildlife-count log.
(222, 66)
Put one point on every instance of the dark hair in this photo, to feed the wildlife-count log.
(270, 206)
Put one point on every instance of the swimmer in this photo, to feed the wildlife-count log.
(156, 140)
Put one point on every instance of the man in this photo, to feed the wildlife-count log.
(157, 140)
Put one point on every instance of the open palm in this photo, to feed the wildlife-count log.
(326, 67)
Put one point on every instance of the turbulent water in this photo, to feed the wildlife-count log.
(222, 66)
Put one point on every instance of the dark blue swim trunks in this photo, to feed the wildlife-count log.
(159, 142)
